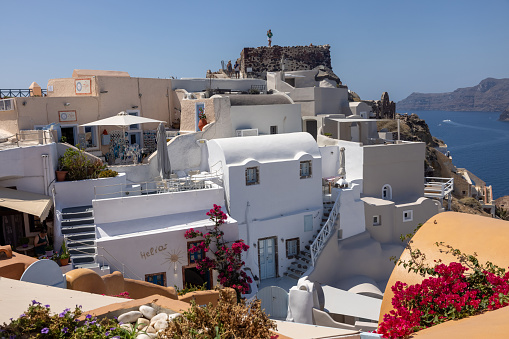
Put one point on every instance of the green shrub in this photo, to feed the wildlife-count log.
(107, 173)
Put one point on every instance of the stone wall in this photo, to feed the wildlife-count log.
(297, 58)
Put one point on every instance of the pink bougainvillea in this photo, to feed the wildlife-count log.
(451, 292)
(227, 259)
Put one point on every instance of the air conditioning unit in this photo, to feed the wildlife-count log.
(247, 132)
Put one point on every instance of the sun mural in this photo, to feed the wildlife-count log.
(172, 258)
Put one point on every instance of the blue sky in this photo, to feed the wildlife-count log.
(376, 46)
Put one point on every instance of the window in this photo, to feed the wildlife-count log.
(252, 176)
(387, 192)
(308, 223)
(91, 136)
(305, 169)
(408, 215)
(6, 104)
(193, 258)
(377, 220)
(273, 129)
(156, 278)
(136, 114)
(292, 248)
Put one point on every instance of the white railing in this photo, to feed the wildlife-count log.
(27, 138)
(325, 233)
(438, 187)
(105, 260)
(156, 187)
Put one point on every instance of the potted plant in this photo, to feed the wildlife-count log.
(24, 242)
(64, 256)
(49, 251)
(202, 117)
(61, 173)
(76, 163)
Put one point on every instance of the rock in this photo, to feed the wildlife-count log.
(160, 316)
(129, 317)
(146, 336)
(147, 311)
(504, 116)
(127, 327)
(142, 322)
(160, 325)
(150, 329)
(172, 316)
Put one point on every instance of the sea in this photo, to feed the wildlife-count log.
(478, 141)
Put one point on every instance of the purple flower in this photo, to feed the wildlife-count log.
(107, 333)
(88, 316)
(34, 302)
(22, 315)
(65, 329)
(45, 330)
(61, 315)
(47, 306)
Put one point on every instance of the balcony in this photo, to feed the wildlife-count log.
(19, 93)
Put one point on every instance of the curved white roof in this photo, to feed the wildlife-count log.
(267, 148)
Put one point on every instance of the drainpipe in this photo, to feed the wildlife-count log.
(45, 172)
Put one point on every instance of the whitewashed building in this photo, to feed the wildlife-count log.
(273, 188)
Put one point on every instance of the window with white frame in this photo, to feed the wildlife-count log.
(377, 220)
(305, 169)
(136, 114)
(292, 248)
(91, 136)
(387, 192)
(273, 129)
(408, 215)
(252, 176)
(308, 223)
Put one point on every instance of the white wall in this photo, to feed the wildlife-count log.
(354, 159)
(330, 161)
(23, 167)
(351, 211)
(200, 84)
(286, 117)
(81, 192)
(152, 205)
(149, 253)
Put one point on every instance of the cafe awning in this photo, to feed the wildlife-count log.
(26, 202)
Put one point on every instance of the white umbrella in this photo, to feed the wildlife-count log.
(163, 159)
(123, 120)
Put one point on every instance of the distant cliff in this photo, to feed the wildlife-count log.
(505, 115)
(491, 95)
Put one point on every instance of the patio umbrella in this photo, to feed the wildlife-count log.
(123, 120)
(342, 171)
(163, 159)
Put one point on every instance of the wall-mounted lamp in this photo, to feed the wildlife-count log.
(254, 245)
(139, 94)
(24, 103)
(134, 107)
(104, 91)
(282, 239)
(67, 103)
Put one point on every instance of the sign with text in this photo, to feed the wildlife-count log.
(66, 116)
(83, 86)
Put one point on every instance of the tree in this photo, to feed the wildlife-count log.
(227, 259)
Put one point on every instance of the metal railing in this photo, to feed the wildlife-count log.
(438, 187)
(28, 138)
(325, 233)
(158, 187)
(19, 93)
(95, 255)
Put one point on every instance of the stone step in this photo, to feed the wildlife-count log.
(77, 209)
(82, 250)
(82, 259)
(78, 221)
(81, 236)
(86, 265)
(78, 229)
(80, 243)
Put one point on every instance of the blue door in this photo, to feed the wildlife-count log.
(267, 256)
